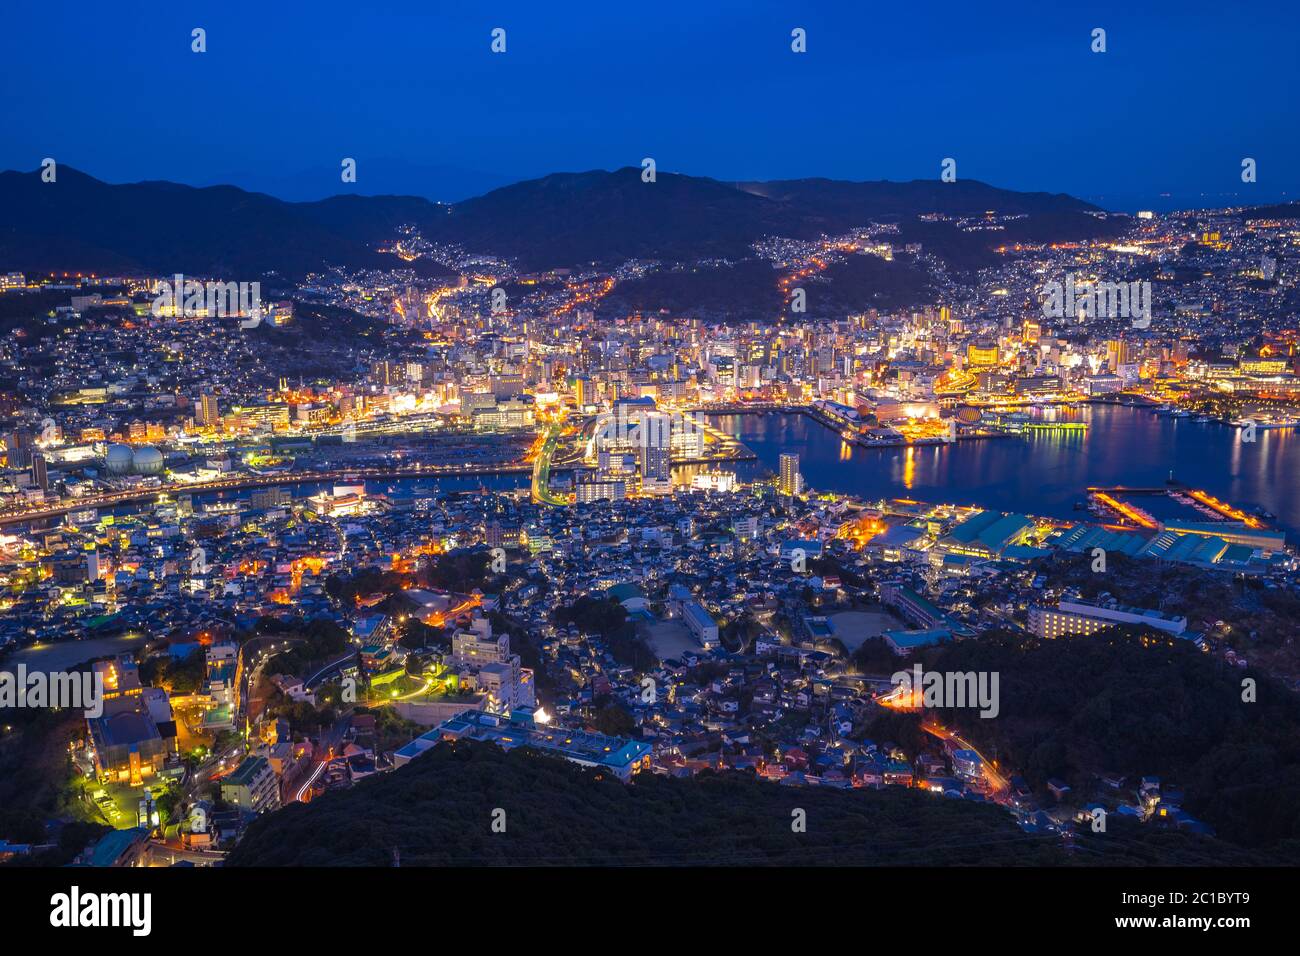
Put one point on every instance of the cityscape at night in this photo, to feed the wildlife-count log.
(723, 438)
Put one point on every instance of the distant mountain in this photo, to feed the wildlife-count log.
(80, 223)
(884, 200)
(1285, 210)
(565, 219)
(376, 176)
(599, 216)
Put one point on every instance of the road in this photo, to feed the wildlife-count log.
(542, 493)
(244, 482)
(328, 669)
(1001, 787)
(249, 677)
(327, 747)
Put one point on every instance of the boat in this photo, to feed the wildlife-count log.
(1180, 413)
(1204, 419)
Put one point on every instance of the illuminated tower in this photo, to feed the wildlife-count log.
(789, 482)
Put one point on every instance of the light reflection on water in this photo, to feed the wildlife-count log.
(1044, 472)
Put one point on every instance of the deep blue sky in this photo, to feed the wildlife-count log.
(412, 91)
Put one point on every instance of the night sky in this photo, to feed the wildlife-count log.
(885, 91)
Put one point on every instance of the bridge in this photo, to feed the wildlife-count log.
(541, 487)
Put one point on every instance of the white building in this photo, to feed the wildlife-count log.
(701, 624)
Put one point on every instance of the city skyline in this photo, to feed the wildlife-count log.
(689, 441)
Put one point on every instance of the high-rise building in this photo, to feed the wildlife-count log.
(1117, 353)
(40, 475)
(19, 448)
(384, 372)
(656, 451)
(208, 412)
(789, 482)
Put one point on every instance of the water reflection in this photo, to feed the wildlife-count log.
(1044, 472)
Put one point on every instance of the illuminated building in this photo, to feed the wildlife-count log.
(789, 481)
(981, 354)
(1080, 617)
(130, 745)
(207, 414)
(253, 787)
(1102, 384)
(281, 313)
(590, 489)
(341, 502)
(1037, 385)
(701, 624)
(687, 439)
(1263, 367)
(912, 606)
(263, 415)
(119, 676)
(987, 534)
(476, 645)
(582, 391)
(267, 498)
(18, 444)
(497, 534)
(714, 481)
(1234, 532)
(656, 452)
(1117, 353)
(509, 414)
(484, 662)
(221, 662)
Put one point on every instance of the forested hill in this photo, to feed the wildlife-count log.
(438, 811)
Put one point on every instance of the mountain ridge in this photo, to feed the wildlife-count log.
(562, 219)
